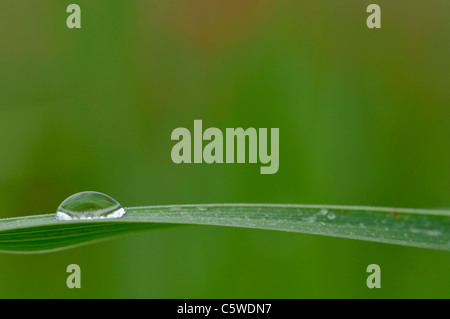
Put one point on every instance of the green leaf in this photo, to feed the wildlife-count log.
(409, 227)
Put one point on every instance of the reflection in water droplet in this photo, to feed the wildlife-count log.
(89, 205)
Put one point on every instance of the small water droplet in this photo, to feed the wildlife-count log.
(89, 205)
(331, 216)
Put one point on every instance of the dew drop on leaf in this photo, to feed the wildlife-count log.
(89, 205)
(331, 216)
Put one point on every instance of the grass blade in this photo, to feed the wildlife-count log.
(409, 227)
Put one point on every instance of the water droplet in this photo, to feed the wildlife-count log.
(89, 205)
(331, 216)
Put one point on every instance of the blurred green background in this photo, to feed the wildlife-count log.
(363, 115)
